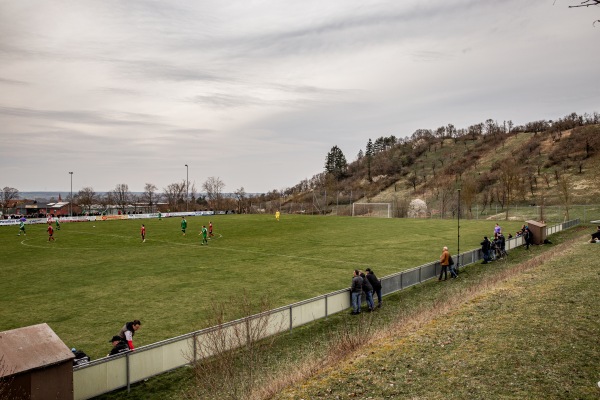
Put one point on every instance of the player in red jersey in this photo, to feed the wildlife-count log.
(143, 232)
(50, 232)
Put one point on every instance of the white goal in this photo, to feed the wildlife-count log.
(376, 210)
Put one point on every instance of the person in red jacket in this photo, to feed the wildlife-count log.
(126, 333)
(143, 233)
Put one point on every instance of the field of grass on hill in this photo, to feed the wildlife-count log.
(98, 275)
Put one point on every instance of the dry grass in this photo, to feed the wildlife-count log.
(233, 360)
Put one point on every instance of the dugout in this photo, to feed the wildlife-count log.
(35, 364)
(538, 231)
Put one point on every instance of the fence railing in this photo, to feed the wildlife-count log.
(107, 374)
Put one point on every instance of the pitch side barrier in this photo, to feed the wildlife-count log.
(91, 218)
(111, 373)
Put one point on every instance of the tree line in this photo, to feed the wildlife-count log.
(177, 196)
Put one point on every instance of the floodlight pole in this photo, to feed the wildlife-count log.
(187, 187)
(458, 234)
(71, 199)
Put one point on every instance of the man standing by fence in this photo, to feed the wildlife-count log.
(356, 292)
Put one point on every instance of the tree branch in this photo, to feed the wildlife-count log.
(587, 3)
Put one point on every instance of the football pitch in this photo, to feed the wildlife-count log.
(98, 275)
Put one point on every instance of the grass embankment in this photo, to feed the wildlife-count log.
(525, 328)
(527, 332)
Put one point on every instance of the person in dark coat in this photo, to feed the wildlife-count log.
(486, 245)
(368, 289)
(356, 292)
(376, 283)
(118, 346)
(527, 237)
(596, 235)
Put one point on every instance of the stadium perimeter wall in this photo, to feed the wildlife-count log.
(111, 373)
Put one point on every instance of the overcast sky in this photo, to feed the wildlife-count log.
(257, 92)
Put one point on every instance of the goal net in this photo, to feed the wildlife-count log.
(376, 210)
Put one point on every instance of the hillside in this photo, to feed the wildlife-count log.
(541, 163)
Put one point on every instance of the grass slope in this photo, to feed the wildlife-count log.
(527, 331)
(96, 276)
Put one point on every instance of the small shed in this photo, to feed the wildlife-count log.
(36, 364)
(538, 231)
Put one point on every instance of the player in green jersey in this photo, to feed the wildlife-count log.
(183, 225)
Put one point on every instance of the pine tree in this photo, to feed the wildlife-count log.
(335, 163)
(369, 154)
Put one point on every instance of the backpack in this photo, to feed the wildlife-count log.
(80, 358)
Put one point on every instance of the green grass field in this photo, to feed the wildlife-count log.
(96, 276)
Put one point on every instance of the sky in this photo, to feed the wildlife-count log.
(257, 92)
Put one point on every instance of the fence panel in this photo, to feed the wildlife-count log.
(308, 312)
(100, 378)
(430, 270)
(338, 301)
(108, 374)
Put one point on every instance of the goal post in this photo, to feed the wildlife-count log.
(373, 210)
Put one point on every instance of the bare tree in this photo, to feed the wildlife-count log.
(509, 180)
(240, 195)
(213, 187)
(121, 196)
(469, 193)
(565, 189)
(588, 3)
(8, 194)
(86, 198)
(174, 194)
(413, 179)
(150, 197)
(194, 195)
(105, 201)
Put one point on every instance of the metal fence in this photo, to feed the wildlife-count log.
(107, 374)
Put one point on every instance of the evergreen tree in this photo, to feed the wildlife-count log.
(369, 155)
(335, 162)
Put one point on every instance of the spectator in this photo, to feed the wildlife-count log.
(502, 244)
(128, 330)
(527, 237)
(368, 289)
(596, 235)
(118, 346)
(452, 268)
(444, 262)
(485, 249)
(356, 292)
(497, 230)
(376, 283)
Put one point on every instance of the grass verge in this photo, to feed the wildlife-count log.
(528, 331)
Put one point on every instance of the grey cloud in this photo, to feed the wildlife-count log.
(87, 117)
(12, 82)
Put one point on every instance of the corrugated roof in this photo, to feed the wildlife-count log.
(30, 348)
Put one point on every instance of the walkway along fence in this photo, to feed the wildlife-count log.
(107, 374)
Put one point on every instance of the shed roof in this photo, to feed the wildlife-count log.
(30, 348)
